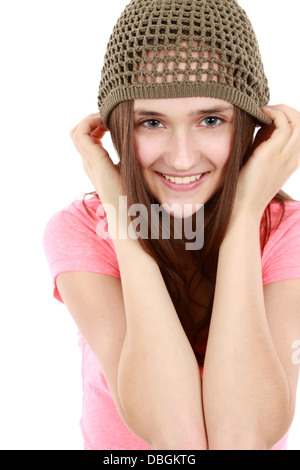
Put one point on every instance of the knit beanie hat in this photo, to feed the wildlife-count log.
(183, 48)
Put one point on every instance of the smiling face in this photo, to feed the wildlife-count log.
(183, 146)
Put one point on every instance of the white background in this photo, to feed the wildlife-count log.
(51, 58)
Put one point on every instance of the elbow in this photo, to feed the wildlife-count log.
(160, 436)
(187, 438)
(260, 430)
(242, 441)
(179, 441)
(260, 437)
(162, 427)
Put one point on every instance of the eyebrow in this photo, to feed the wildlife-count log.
(198, 112)
(212, 110)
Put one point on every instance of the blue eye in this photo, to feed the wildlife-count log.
(211, 121)
(152, 123)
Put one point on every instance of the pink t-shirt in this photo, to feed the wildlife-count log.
(73, 242)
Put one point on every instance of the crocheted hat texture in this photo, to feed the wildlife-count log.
(183, 48)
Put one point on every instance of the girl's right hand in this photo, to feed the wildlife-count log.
(102, 172)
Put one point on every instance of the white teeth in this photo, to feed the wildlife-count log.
(184, 180)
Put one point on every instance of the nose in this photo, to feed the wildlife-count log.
(183, 154)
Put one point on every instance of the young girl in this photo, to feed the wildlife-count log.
(184, 347)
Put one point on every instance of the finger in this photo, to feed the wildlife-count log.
(290, 139)
(293, 118)
(291, 114)
(283, 129)
(84, 130)
(263, 135)
(93, 120)
(99, 132)
(96, 133)
(277, 115)
(86, 145)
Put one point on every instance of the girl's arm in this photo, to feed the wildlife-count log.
(135, 333)
(158, 377)
(249, 382)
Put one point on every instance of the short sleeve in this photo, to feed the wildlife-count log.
(281, 256)
(72, 242)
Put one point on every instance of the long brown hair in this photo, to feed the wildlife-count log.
(189, 276)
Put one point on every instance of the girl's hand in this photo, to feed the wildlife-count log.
(275, 157)
(104, 175)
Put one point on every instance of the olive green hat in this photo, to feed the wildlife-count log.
(184, 48)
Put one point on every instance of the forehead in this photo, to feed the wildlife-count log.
(184, 105)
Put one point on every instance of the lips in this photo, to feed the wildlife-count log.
(183, 182)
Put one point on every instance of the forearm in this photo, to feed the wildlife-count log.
(244, 385)
(159, 380)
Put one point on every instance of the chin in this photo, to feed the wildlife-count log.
(181, 210)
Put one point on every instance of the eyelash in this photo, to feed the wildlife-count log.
(145, 123)
(151, 120)
(215, 118)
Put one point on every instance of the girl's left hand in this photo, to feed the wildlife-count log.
(276, 156)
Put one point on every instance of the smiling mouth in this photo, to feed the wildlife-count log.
(182, 180)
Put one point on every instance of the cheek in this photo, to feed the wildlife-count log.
(219, 150)
(146, 151)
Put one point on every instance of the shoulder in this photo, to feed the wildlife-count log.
(291, 210)
(80, 211)
(83, 219)
(281, 254)
(284, 222)
(76, 239)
